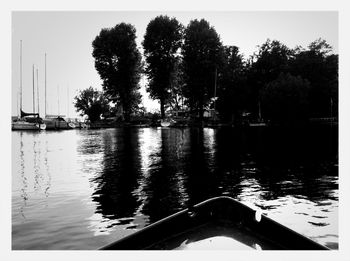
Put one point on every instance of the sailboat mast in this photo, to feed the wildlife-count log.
(67, 101)
(33, 92)
(45, 85)
(20, 59)
(58, 100)
(37, 87)
(17, 103)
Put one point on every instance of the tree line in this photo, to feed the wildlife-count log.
(189, 68)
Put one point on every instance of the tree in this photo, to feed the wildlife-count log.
(232, 95)
(92, 103)
(161, 43)
(202, 56)
(285, 100)
(118, 61)
(176, 97)
(320, 67)
(266, 65)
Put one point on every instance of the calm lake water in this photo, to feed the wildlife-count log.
(82, 189)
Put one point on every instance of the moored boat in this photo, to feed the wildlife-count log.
(218, 223)
(22, 124)
(56, 122)
(28, 121)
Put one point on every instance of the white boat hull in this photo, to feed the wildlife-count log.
(23, 125)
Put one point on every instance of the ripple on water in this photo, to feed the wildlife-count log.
(82, 189)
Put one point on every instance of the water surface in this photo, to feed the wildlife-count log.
(82, 189)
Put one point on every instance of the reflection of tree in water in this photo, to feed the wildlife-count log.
(280, 161)
(118, 180)
(176, 168)
(200, 183)
(164, 186)
(295, 161)
(230, 153)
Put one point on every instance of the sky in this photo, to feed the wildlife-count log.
(66, 38)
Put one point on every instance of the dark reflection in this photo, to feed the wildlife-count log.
(118, 180)
(156, 172)
(295, 161)
(164, 186)
(232, 156)
(200, 183)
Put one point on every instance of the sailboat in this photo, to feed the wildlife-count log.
(27, 121)
(56, 122)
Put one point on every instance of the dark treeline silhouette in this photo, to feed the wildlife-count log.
(189, 69)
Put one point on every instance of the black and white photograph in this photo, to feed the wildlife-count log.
(155, 129)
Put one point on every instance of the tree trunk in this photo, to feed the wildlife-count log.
(162, 110)
(201, 111)
(126, 112)
(121, 111)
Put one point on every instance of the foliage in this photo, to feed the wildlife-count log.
(176, 97)
(271, 59)
(118, 61)
(320, 68)
(92, 103)
(190, 65)
(202, 55)
(161, 43)
(285, 100)
(231, 85)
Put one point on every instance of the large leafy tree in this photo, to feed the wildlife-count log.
(161, 43)
(265, 66)
(92, 103)
(202, 56)
(232, 95)
(319, 66)
(176, 98)
(285, 100)
(118, 61)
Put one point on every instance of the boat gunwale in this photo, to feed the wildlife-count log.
(209, 210)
